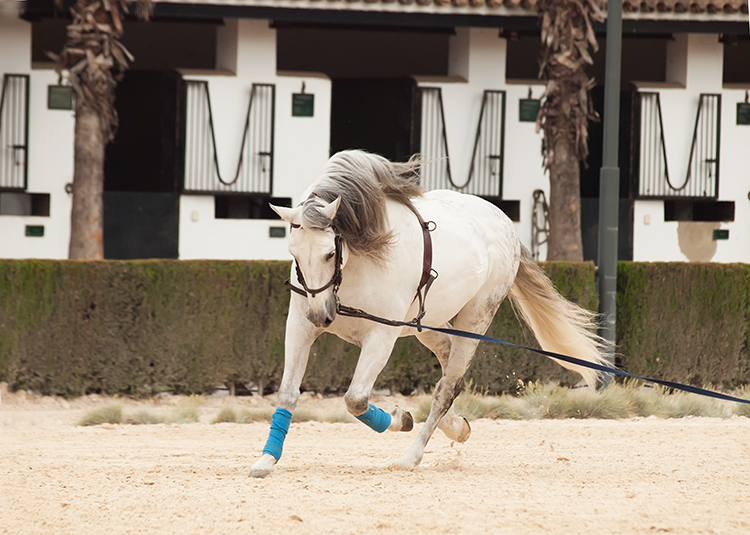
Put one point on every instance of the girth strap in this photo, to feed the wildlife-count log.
(428, 274)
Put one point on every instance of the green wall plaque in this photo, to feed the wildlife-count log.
(528, 109)
(721, 234)
(59, 97)
(35, 231)
(303, 104)
(743, 113)
(277, 232)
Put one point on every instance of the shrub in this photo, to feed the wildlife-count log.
(111, 413)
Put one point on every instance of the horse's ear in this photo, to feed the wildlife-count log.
(287, 214)
(331, 208)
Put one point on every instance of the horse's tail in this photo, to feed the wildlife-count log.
(559, 325)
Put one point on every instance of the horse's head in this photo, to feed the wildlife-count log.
(318, 254)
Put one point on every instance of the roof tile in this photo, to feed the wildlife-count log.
(685, 6)
(651, 8)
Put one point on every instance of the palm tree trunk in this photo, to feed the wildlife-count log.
(87, 215)
(567, 37)
(565, 212)
(95, 61)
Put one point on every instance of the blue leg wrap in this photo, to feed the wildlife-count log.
(376, 419)
(279, 427)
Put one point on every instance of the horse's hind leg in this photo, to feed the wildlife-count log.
(446, 390)
(476, 316)
(455, 427)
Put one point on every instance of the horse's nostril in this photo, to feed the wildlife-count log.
(327, 322)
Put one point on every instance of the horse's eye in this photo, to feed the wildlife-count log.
(330, 255)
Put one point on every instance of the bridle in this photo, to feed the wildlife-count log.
(428, 274)
(335, 279)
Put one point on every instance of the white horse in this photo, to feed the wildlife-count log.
(357, 240)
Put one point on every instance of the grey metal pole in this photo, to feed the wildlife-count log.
(609, 177)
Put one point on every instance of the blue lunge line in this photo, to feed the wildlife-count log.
(279, 427)
(586, 364)
(375, 418)
(356, 313)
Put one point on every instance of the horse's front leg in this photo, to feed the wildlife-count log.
(376, 350)
(300, 335)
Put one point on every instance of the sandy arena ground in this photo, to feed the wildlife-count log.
(530, 477)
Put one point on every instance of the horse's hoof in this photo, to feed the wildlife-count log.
(410, 460)
(403, 464)
(264, 466)
(401, 420)
(465, 432)
(407, 421)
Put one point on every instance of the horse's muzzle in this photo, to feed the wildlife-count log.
(320, 321)
(323, 314)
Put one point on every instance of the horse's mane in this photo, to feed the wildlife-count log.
(364, 181)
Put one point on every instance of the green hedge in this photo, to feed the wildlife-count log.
(140, 327)
(685, 322)
(72, 328)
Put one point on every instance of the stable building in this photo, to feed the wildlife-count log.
(232, 104)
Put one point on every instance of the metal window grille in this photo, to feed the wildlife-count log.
(485, 175)
(436, 172)
(702, 175)
(14, 132)
(254, 173)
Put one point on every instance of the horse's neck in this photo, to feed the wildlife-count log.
(407, 243)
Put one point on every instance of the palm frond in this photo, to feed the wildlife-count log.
(568, 40)
(94, 58)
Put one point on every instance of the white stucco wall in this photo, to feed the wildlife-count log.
(477, 63)
(301, 147)
(695, 63)
(50, 154)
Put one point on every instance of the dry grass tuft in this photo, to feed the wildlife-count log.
(301, 414)
(330, 416)
(627, 400)
(227, 415)
(111, 413)
(743, 409)
(144, 417)
(248, 416)
(187, 410)
(473, 404)
(681, 405)
(630, 399)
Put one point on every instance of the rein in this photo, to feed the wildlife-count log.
(428, 274)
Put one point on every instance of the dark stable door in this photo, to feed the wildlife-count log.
(143, 168)
(590, 175)
(377, 115)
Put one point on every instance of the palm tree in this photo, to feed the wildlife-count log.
(95, 61)
(567, 37)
